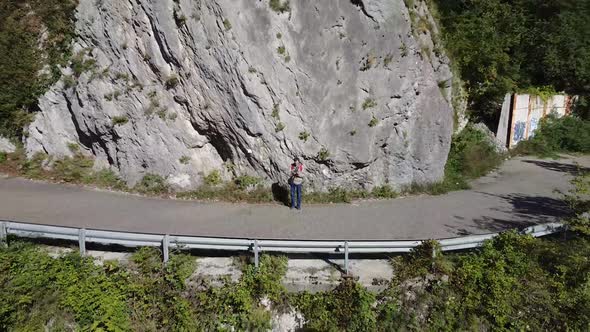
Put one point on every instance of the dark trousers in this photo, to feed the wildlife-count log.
(296, 191)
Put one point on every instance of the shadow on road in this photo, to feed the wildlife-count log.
(280, 193)
(524, 211)
(559, 167)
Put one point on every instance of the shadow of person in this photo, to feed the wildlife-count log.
(280, 193)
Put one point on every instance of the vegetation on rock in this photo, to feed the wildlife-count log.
(27, 70)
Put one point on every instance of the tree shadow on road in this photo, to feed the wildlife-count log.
(559, 167)
(525, 210)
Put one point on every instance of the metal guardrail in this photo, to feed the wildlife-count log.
(167, 241)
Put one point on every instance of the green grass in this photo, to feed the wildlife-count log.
(369, 103)
(171, 82)
(227, 24)
(184, 160)
(374, 121)
(323, 154)
(303, 136)
(119, 120)
(152, 184)
(213, 178)
(279, 127)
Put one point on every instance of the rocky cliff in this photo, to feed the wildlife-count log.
(184, 87)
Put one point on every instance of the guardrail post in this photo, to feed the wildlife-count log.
(256, 259)
(82, 241)
(165, 247)
(346, 257)
(3, 235)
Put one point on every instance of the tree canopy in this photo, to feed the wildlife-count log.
(501, 46)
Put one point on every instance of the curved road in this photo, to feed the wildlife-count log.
(520, 193)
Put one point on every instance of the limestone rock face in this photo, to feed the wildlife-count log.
(181, 88)
(6, 145)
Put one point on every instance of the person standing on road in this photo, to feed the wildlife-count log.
(296, 182)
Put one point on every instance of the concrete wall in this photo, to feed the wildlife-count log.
(521, 115)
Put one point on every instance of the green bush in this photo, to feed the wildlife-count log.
(472, 155)
(81, 65)
(36, 289)
(184, 160)
(555, 135)
(279, 127)
(335, 195)
(280, 6)
(22, 27)
(106, 178)
(33, 167)
(369, 103)
(119, 120)
(213, 178)
(323, 154)
(152, 184)
(384, 192)
(304, 136)
(73, 169)
(171, 82)
(226, 24)
(578, 199)
(374, 121)
(513, 282)
(347, 308)
(246, 181)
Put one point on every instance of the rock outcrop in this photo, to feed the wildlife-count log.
(181, 88)
(6, 145)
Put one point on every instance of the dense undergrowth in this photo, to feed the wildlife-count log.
(35, 39)
(514, 282)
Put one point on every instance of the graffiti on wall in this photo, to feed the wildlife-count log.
(522, 114)
(519, 129)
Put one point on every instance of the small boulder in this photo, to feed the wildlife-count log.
(500, 147)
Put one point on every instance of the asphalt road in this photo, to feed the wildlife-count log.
(519, 194)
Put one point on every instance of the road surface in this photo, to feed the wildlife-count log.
(519, 194)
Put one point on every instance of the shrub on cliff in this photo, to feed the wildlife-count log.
(22, 27)
(152, 184)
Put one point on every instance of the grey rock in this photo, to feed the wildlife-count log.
(6, 145)
(491, 138)
(231, 82)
